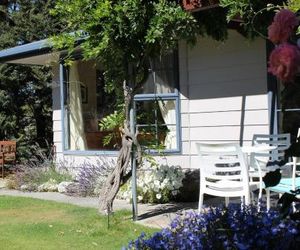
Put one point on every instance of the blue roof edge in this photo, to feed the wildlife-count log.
(26, 50)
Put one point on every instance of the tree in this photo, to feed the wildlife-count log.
(25, 91)
(124, 36)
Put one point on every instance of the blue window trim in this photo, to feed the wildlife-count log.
(75, 152)
(168, 96)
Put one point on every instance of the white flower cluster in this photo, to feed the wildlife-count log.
(159, 184)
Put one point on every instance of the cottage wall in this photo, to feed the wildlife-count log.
(223, 97)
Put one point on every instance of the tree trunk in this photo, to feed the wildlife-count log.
(120, 175)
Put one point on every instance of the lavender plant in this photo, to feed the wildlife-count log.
(91, 177)
(224, 228)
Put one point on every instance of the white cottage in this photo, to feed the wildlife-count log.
(213, 92)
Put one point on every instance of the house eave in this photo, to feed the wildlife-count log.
(25, 51)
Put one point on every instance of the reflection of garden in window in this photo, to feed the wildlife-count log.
(156, 123)
(85, 104)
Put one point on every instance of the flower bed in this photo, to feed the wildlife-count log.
(229, 228)
(157, 185)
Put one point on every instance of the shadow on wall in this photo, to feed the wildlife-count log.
(226, 83)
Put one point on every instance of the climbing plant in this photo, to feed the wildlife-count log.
(123, 36)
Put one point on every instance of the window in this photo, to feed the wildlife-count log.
(157, 106)
(85, 104)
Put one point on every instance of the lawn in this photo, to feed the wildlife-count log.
(27, 223)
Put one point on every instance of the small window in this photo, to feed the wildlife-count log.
(157, 114)
(156, 123)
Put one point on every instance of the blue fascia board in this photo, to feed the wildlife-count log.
(30, 49)
(26, 50)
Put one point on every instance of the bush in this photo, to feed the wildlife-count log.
(91, 177)
(158, 185)
(39, 169)
(229, 228)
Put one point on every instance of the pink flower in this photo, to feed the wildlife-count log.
(282, 27)
(285, 62)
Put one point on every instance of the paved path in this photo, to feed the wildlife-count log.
(158, 215)
(154, 215)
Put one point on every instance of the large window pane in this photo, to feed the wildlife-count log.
(156, 123)
(85, 104)
(162, 76)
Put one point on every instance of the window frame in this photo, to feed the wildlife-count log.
(168, 96)
(138, 97)
(66, 151)
(161, 97)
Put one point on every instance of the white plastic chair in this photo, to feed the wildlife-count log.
(259, 160)
(223, 172)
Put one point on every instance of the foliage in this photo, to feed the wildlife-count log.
(157, 185)
(293, 5)
(123, 34)
(235, 8)
(284, 64)
(254, 14)
(91, 177)
(25, 91)
(37, 170)
(51, 225)
(229, 228)
(113, 122)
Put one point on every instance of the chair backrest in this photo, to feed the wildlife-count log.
(8, 148)
(281, 141)
(220, 163)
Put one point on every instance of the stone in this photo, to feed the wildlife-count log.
(63, 186)
(48, 187)
(29, 187)
(73, 189)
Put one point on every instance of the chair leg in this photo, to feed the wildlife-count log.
(268, 198)
(200, 202)
(226, 201)
(247, 199)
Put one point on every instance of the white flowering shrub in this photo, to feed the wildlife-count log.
(157, 185)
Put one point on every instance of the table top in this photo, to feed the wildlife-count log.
(257, 148)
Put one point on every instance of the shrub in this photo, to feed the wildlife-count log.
(91, 177)
(39, 169)
(230, 228)
(158, 185)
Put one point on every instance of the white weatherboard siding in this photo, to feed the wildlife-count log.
(56, 116)
(223, 93)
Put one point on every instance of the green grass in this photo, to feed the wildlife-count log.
(27, 223)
